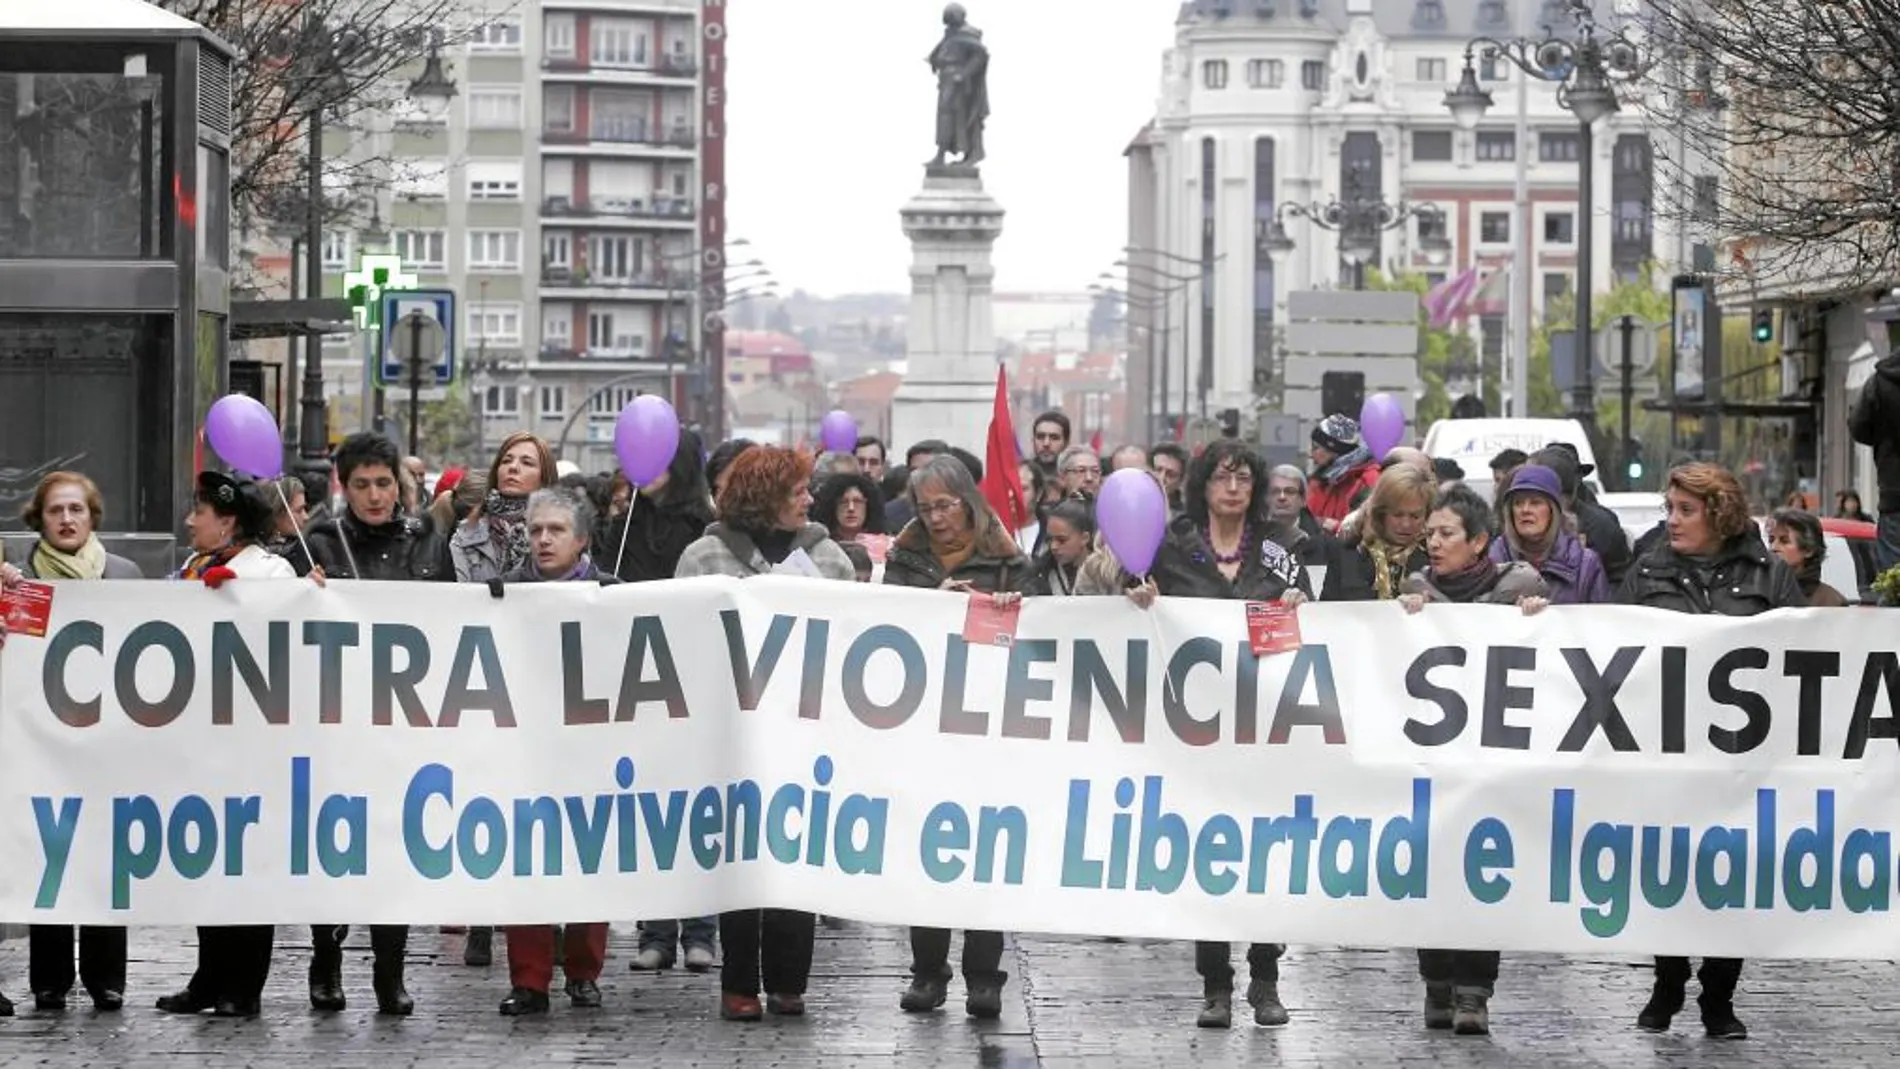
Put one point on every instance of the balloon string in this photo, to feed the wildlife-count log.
(1161, 642)
(626, 528)
(343, 539)
(281, 496)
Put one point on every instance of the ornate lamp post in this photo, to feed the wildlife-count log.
(1585, 68)
(1358, 220)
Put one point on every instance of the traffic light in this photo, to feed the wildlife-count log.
(1633, 461)
(1764, 327)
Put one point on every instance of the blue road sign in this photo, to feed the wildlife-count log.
(438, 305)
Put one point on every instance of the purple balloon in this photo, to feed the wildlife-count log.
(245, 434)
(839, 431)
(1133, 515)
(645, 438)
(1381, 424)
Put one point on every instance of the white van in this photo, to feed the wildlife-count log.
(1473, 442)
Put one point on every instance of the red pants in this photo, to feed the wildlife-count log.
(531, 954)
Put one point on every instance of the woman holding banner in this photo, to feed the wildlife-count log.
(373, 537)
(1539, 532)
(1713, 561)
(228, 525)
(1458, 536)
(957, 544)
(763, 502)
(65, 510)
(1391, 544)
(1068, 537)
(492, 542)
(560, 528)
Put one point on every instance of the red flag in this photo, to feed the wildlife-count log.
(1095, 443)
(1002, 482)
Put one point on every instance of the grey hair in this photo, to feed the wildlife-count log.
(948, 472)
(1062, 460)
(1806, 529)
(579, 512)
(1289, 471)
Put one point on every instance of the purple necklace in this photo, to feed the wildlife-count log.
(1240, 551)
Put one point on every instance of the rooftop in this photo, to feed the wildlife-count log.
(1394, 18)
(96, 18)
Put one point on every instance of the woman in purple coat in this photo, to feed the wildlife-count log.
(1539, 533)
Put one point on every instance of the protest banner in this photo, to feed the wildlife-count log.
(1591, 779)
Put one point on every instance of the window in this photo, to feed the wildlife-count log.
(1557, 147)
(557, 109)
(1497, 145)
(1431, 227)
(553, 402)
(1431, 71)
(421, 179)
(615, 334)
(617, 43)
(494, 250)
(1265, 73)
(496, 323)
(1214, 73)
(412, 111)
(494, 109)
(501, 401)
(1313, 74)
(494, 180)
(613, 258)
(336, 250)
(557, 36)
(1431, 146)
(1556, 284)
(422, 249)
(1494, 68)
(556, 249)
(679, 183)
(1494, 228)
(557, 327)
(1706, 200)
(499, 35)
(1560, 228)
(619, 117)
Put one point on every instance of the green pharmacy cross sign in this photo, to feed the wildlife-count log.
(364, 286)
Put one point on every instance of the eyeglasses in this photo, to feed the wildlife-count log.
(1092, 469)
(1239, 480)
(937, 508)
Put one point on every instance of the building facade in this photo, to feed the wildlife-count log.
(560, 194)
(1266, 103)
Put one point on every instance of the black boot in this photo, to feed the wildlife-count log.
(480, 948)
(326, 969)
(925, 993)
(392, 999)
(6, 1006)
(1665, 1001)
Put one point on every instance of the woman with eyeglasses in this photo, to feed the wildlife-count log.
(956, 544)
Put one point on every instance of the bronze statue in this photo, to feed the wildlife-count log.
(961, 62)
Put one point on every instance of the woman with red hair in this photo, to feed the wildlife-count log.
(763, 501)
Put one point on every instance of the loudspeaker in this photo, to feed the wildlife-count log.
(1342, 393)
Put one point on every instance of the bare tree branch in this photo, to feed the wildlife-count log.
(1792, 108)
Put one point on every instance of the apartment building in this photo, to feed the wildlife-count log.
(558, 193)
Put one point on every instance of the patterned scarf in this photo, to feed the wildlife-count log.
(88, 563)
(1342, 464)
(507, 528)
(1388, 565)
(199, 564)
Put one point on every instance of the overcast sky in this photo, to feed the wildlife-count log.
(831, 117)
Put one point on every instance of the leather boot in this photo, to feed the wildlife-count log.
(392, 998)
(326, 969)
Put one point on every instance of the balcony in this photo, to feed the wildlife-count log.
(660, 209)
(663, 71)
(611, 135)
(579, 284)
(674, 9)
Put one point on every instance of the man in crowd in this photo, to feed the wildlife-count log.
(1505, 465)
(924, 452)
(1875, 422)
(1050, 436)
(870, 453)
(1169, 461)
(1128, 456)
(1080, 471)
(1286, 503)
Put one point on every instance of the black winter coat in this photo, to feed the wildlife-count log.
(401, 550)
(1603, 532)
(1185, 567)
(1742, 579)
(1875, 422)
(1350, 578)
(659, 537)
(997, 566)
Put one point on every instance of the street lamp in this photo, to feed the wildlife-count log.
(1585, 69)
(1358, 219)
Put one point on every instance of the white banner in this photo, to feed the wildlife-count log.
(1598, 779)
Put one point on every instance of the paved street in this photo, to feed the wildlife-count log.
(1071, 1003)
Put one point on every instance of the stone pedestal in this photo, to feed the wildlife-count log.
(950, 387)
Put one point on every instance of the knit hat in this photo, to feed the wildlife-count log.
(1337, 433)
(1537, 479)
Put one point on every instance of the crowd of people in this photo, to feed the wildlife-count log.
(1397, 528)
